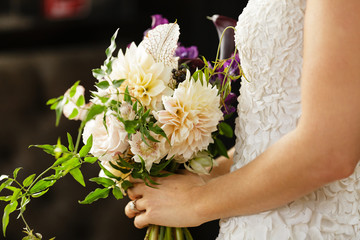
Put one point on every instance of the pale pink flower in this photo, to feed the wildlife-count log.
(152, 152)
(107, 142)
(190, 116)
(126, 111)
(70, 104)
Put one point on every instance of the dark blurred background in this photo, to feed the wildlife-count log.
(47, 45)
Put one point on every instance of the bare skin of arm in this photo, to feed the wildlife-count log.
(324, 146)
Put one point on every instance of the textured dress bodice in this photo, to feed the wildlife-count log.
(269, 37)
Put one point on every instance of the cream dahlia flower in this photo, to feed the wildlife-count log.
(152, 152)
(107, 142)
(146, 79)
(189, 118)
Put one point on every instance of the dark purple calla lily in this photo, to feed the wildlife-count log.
(228, 44)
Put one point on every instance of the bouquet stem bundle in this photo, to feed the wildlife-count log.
(155, 232)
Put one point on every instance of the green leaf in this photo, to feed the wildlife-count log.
(58, 111)
(5, 198)
(24, 201)
(29, 180)
(96, 195)
(221, 147)
(39, 194)
(117, 193)
(11, 207)
(52, 101)
(117, 83)
(90, 159)
(71, 164)
(130, 126)
(63, 159)
(80, 101)
(126, 184)
(41, 186)
(147, 134)
(108, 173)
(74, 113)
(73, 89)
(15, 195)
(2, 177)
(117, 167)
(11, 188)
(46, 147)
(77, 175)
(146, 114)
(124, 163)
(106, 182)
(6, 184)
(86, 148)
(109, 51)
(93, 111)
(103, 85)
(225, 129)
(98, 73)
(70, 141)
(157, 168)
(135, 106)
(16, 172)
(127, 97)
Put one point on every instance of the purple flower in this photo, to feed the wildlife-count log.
(228, 107)
(187, 52)
(228, 44)
(158, 19)
(234, 69)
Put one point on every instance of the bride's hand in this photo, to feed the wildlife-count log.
(172, 203)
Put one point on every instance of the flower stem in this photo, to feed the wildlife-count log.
(26, 225)
(179, 234)
(162, 233)
(168, 233)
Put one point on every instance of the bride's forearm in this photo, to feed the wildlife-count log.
(286, 171)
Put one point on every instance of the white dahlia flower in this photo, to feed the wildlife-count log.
(146, 79)
(107, 142)
(189, 118)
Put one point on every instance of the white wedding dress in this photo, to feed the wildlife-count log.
(269, 38)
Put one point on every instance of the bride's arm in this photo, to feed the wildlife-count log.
(324, 147)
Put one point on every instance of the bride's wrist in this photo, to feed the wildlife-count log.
(202, 203)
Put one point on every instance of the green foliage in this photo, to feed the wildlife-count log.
(19, 194)
(225, 129)
(96, 195)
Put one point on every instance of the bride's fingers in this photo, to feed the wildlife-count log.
(140, 221)
(136, 191)
(132, 209)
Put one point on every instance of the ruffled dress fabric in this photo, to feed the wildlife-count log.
(269, 38)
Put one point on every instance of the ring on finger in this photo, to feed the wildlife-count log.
(132, 206)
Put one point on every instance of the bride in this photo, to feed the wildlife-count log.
(295, 172)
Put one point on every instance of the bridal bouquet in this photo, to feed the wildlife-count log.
(157, 107)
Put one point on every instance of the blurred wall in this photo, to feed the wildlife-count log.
(41, 55)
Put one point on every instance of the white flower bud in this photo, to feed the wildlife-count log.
(201, 163)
